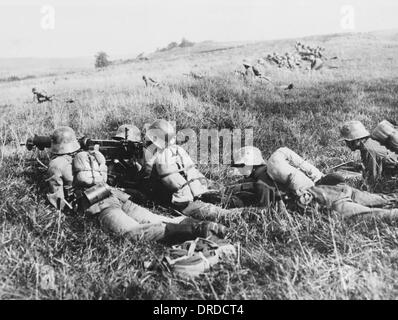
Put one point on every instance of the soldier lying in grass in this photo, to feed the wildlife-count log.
(40, 97)
(77, 179)
(171, 177)
(286, 173)
(378, 161)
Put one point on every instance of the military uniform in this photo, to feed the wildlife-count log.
(306, 185)
(377, 160)
(258, 189)
(40, 97)
(351, 202)
(81, 170)
(302, 178)
(173, 176)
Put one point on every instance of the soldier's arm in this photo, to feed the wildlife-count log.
(55, 182)
(373, 169)
(148, 163)
(264, 194)
(239, 186)
(297, 161)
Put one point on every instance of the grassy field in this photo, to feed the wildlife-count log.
(283, 255)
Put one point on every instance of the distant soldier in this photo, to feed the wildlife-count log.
(254, 71)
(259, 74)
(288, 177)
(40, 97)
(316, 63)
(149, 82)
(377, 160)
(77, 179)
(195, 75)
(275, 58)
(290, 61)
(248, 69)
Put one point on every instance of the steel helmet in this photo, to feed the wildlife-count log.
(63, 141)
(160, 132)
(246, 63)
(129, 131)
(248, 156)
(353, 130)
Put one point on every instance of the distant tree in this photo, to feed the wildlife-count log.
(172, 45)
(186, 43)
(101, 60)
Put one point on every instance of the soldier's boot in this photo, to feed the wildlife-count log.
(178, 233)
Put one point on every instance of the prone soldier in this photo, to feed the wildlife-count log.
(378, 161)
(252, 71)
(150, 82)
(77, 180)
(40, 97)
(170, 175)
(305, 185)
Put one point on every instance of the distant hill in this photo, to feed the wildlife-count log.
(23, 67)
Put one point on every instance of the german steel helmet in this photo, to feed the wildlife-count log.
(129, 131)
(248, 156)
(353, 130)
(160, 132)
(63, 141)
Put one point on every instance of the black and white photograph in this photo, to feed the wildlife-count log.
(194, 150)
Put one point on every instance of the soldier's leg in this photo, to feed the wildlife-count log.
(207, 211)
(138, 213)
(227, 200)
(350, 209)
(374, 199)
(116, 221)
(143, 215)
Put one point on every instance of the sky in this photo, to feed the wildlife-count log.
(76, 28)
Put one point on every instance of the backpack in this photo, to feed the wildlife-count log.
(89, 168)
(176, 174)
(195, 257)
(387, 135)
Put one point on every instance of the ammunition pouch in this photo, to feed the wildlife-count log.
(96, 193)
(90, 196)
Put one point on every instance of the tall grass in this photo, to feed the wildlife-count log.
(284, 255)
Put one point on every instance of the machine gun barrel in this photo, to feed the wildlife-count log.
(113, 149)
(41, 142)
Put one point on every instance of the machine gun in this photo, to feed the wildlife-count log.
(350, 170)
(111, 149)
(122, 155)
(348, 166)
